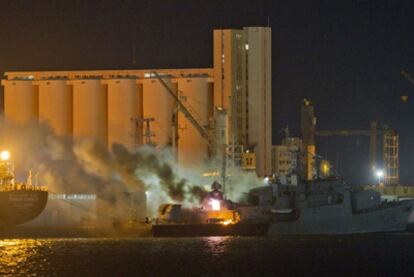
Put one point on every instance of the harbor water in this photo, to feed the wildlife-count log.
(362, 255)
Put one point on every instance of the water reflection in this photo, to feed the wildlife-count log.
(217, 245)
(17, 256)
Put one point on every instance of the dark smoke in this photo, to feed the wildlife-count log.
(149, 162)
(198, 194)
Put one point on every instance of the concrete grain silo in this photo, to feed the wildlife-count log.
(124, 104)
(89, 109)
(55, 105)
(158, 104)
(20, 101)
(197, 95)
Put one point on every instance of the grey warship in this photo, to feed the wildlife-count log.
(304, 201)
(298, 200)
(325, 206)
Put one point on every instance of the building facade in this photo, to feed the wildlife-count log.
(286, 157)
(242, 85)
(132, 107)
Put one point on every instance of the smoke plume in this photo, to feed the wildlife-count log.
(68, 165)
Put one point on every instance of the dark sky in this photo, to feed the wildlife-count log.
(344, 55)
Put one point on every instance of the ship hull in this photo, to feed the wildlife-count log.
(21, 206)
(329, 221)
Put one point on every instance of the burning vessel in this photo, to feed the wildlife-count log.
(19, 202)
(215, 217)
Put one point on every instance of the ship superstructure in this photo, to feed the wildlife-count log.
(325, 206)
(19, 202)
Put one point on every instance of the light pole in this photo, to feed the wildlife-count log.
(379, 174)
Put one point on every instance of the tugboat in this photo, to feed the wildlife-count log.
(19, 202)
(216, 217)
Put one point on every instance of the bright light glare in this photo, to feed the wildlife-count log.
(380, 173)
(215, 205)
(5, 155)
(210, 174)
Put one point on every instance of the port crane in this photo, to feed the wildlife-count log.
(410, 78)
(390, 149)
(390, 142)
(372, 134)
(212, 135)
(186, 111)
(407, 76)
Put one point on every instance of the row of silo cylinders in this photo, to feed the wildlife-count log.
(104, 109)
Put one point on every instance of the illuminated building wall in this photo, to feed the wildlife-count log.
(113, 106)
(21, 102)
(159, 106)
(90, 109)
(124, 107)
(259, 96)
(242, 86)
(197, 94)
(286, 157)
(230, 81)
(282, 160)
(55, 105)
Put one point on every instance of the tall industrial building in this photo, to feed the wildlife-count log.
(242, 85)
(132, 107)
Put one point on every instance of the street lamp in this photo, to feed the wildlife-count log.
(379, 174)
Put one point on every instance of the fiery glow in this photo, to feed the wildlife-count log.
(227, 222)
(5, 155)
(215, 205)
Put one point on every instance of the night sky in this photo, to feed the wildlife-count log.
(344, 55)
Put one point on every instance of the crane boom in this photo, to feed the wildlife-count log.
(407, 76)
(343, 133)
(200, 129)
